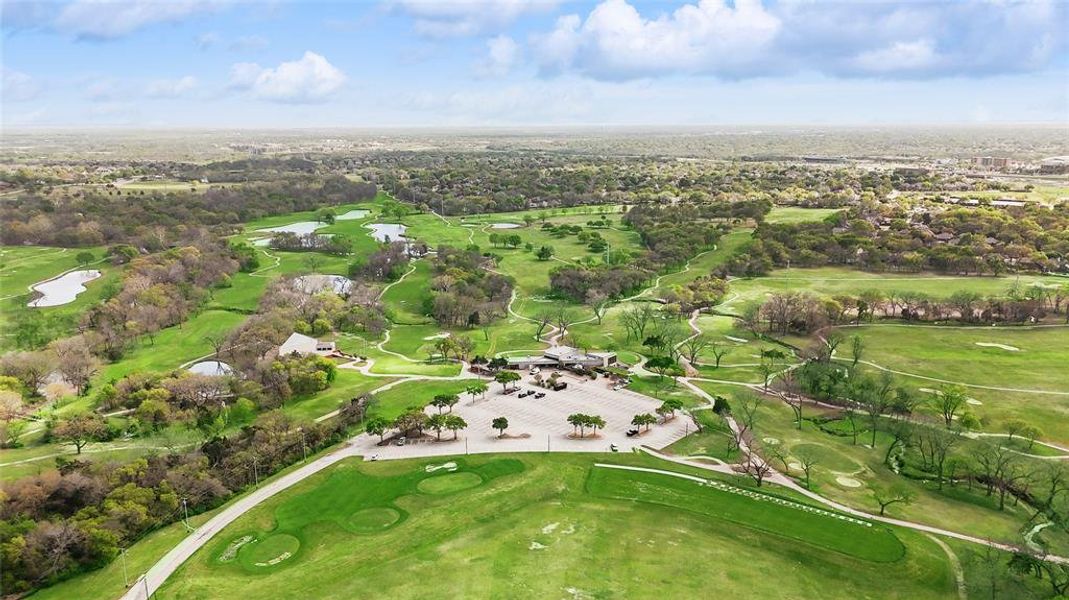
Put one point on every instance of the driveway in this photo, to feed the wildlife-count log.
(538, 425)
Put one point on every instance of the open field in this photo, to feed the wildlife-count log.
(924, 358)
(847, 473)
(796, 214)
(540, 526)
(828, 281)
(23, 266)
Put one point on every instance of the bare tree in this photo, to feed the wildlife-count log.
(893, 495)
(808, 461)
(694, 345)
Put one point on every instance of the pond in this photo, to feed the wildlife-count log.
(211, 367)
(352, 215)
(382, 232)
(63, 289)
(313, 284)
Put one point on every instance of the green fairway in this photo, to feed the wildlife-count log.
(538, 526)
(847, 473)
(828, 281)
(23, 266)
(796, 214)
(1001, 357)
(173, 346)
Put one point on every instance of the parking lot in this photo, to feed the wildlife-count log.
(538, 425)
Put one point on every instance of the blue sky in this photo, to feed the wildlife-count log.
(218, 63)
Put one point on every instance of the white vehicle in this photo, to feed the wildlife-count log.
(535, 370)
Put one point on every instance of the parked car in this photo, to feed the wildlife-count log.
(526, 393)
(614, 447)
(535, 370)
(511, 391)
(632, 432)
(540, 395)
(401, 441)
(560, 385)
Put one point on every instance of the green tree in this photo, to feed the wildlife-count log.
(377, 426)
(438, 422)
(505, 378)
(545, 253)
(84, 258)
(476, 388)
(80, 430)
(644, 420)
(500, 424)
(455, 423)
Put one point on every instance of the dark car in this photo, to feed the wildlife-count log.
(560, 385)
(540, 395)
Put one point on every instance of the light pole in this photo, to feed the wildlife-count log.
(144, 579)
(125, 579)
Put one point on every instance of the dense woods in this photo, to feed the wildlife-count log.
(156, 220)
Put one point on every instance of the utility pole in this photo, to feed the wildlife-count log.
(144, 579)
(304, 446)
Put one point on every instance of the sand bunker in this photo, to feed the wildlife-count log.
(437, 336)
(735, 339)
(387, 232)
(994, 345)
(503, 226)
(449, 466)
(771, 441)
(849, 482)
(352, 215)
(212, 367)
(973, 401)
(63, 289)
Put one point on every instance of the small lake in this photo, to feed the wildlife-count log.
(394, 232)
(63, 289)
(504, 225)
(352, 215)
(211, 367)
(313, 284)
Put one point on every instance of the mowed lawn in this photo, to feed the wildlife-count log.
(551, 526)
(829, 281)
(23, 266)
(797, 214)
(1025, 358)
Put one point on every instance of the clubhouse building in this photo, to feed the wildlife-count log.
(564, 357)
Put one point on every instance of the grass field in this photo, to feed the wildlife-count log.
(23, 266)
(545, 526)
(795, 214)
(847, 473)
(954, 354)
(828, 281)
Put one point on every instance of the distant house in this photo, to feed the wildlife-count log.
(305, 346)
(564, 357)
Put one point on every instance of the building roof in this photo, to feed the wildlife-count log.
(299, 343)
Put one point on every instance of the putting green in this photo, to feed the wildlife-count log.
(374, 520)
(269, 552)
(447, 484)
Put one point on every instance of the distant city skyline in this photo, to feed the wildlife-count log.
(523, 63)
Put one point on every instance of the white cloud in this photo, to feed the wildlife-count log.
(900, 56)
(309, 79)
(18, 86)
(171, 88)
(502, 52)
(110, 19)
(752, 38)
(616, 42)
(455, 18)
(207, 40)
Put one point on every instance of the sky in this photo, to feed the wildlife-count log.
(515, 63)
